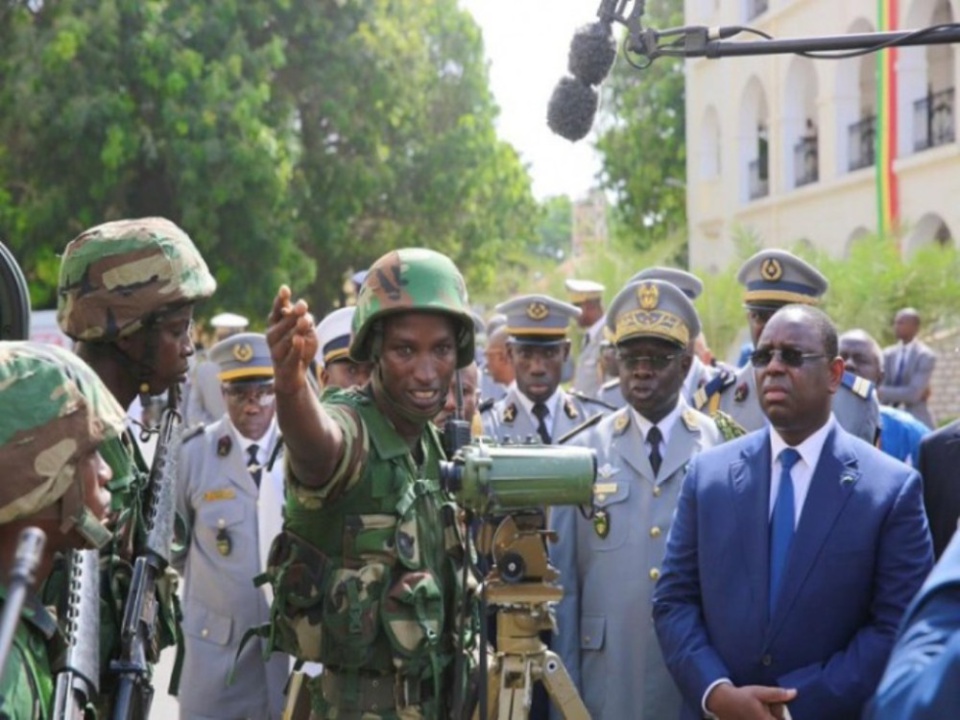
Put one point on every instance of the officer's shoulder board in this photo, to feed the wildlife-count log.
(582, 397)
(191, 432)
(486, 405)
(693, 419)
(858, 385)
(720, 382)
(610, 384)
(588, 423)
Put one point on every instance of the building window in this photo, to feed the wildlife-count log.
(806, 166)
(759, 169)
(933, 123)
(861, 138)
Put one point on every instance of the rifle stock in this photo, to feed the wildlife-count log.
(140, 633)
(78, 675)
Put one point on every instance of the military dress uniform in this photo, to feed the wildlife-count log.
(609, 563)
(222, 504)
(772, 279)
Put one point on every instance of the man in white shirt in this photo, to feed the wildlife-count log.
(794, 550)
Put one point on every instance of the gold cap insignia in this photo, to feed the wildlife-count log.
(771, 269)
(537, 311)
(648, 295)
(243, 352)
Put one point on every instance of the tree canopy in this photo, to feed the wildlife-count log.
(294, 140)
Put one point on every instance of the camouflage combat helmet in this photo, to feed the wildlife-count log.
(116, 275)
(412, 279)
(57, 411)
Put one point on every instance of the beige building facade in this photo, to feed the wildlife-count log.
(781, 146)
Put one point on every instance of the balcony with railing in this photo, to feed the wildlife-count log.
(756, 8)
(806, 168)
(861, 139)
(933, 120)
(759, 186)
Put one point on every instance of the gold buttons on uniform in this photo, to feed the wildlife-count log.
(655, 531)
(656, 491)
(204, 632)
(654, 573)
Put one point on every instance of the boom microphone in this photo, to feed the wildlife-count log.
(574, 102)
(572, 108)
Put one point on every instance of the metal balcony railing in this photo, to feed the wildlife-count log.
(759, 179)
(861, 139)
(933, 120)
(806, 168)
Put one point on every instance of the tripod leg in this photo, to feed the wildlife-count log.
(561, 688)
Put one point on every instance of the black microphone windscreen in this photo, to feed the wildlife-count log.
(572, 108)
(592, 52)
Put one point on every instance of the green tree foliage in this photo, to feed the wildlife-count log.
(295, 140)
(556, 228)
(642, 140)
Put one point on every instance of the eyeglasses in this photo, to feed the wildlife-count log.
(263, 396)
(791, 357)
(654, 362)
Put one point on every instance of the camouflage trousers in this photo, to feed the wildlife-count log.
(349, 696)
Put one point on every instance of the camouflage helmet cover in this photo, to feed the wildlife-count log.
(412, 279)
(57, 411)
(116, 275)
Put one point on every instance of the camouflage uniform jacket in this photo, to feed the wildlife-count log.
(26, 688)
(365, 574)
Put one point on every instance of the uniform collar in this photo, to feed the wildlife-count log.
(552, 403)
(666, 424)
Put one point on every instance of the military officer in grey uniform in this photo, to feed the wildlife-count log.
(497, 372)
(335, 367)
(774, 278)
(609, 563)
(231, 502)
(588, 296)
(535, 405)
(203, 401)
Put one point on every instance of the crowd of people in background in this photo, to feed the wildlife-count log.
(760, 541)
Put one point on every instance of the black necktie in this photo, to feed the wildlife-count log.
(255, 468)
(541, 412)
(655, 437)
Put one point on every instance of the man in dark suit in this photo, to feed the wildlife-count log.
(938, 463)
(794, 551)
(908, 367)
(923, 676)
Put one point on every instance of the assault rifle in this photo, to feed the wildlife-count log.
(78, 673)
(140, 632)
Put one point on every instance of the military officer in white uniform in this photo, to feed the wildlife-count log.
(609, 564)
(774, 278)
(587, 295)
(335, 367)
(231, 503)
(699, 374)
(535, 405)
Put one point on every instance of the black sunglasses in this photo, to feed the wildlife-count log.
(656, 362)
(788, 356)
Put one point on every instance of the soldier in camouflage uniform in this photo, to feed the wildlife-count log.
(365, 574)
(60, 425)
(126, 294)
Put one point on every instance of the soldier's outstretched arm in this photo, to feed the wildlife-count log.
(313, 441)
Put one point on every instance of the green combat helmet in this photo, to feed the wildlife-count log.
(114, 276)
(56, 412)
(412, 279)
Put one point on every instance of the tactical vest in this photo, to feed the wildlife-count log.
(367, 584)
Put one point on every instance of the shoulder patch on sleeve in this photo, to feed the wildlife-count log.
(191, 432)
(610, 384)
(720, 382)
(588, 423)
(858, 385)
(592, 400)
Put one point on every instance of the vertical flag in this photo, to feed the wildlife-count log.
(888, 210)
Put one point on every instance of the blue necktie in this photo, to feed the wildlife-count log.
(782, 524)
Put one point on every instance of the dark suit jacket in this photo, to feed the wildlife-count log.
(860, 553)
(938, 464)
(922, 681)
